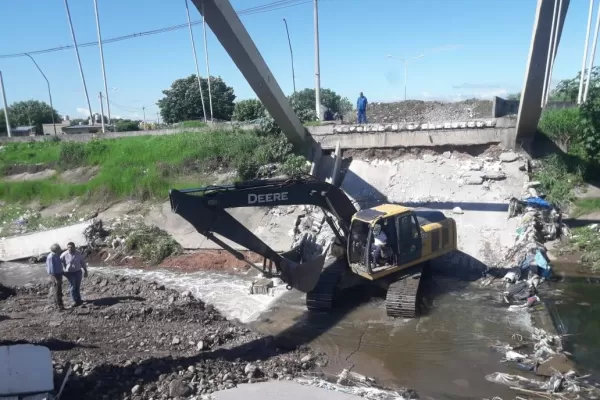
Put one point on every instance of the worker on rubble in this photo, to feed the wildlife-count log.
(379, 242)
(361, 107)
(73, 264)
(55, 271)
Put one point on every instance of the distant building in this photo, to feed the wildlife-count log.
(24, 131)
(48, 129)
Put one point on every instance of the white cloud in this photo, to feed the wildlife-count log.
(83, 111)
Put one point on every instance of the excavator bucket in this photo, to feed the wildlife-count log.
(303, 277)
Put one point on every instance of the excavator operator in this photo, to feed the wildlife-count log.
(379, 242)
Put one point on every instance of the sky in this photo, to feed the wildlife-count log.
(470, 48)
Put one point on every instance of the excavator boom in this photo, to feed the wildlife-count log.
(205, 208)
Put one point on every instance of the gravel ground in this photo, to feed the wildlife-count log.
(135, 339)
(417, 111)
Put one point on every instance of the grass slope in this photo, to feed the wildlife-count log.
(141, 167)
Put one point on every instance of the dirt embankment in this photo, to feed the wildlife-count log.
(136, 340)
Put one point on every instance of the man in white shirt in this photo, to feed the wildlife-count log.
(73, 264)
(380, 240)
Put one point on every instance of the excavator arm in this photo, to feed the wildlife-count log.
(205, 208)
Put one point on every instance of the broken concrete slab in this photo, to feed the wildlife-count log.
(508, 157)
(494, 176)
(261, 286)
(26, 246)
(283, 390)
(24, 369)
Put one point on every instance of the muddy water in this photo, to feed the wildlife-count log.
(574, 304)
(444, 354)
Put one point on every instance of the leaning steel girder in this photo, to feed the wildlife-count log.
(530, 107)
(229, 30)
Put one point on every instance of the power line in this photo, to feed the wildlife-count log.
(275, 5)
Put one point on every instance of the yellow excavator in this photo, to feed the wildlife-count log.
(388, 245)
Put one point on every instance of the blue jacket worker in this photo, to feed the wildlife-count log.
(75, 269)
(55, 271)
(361, 106)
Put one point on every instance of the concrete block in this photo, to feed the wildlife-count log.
(462, 125)
(425, 126)
(360, 129)
(471, 124)
(336, 129)
(439, 126)
(412, 127)
(261, 286)
(454, 125)
(352, 128)
(381, 128)
(447, 125)
(395, 127)
(479, 124)
(490, 123)
(25, 368)
(345, 129)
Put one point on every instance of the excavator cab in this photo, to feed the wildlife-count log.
(412, 236)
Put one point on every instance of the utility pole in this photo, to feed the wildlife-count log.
(87, 97)
(49, 92)
(195, 59)
(102, 58)
(317, 62)
(101, 111)
(144, 110)
(291, 54)
(207, 66)
(157, 118)
(5, 105)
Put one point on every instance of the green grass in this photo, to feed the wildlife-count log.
(586, 206)
(558, 179)
(587, 240)
(142, 167)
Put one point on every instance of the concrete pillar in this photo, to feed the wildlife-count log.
(229, 30)
(531, 96)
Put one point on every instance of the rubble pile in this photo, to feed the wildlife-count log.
(135, 339)
(417, 111)
(313, 232)
(127, 237)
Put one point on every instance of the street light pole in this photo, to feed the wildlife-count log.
(405, 61)
(5, 105)
(102, 59)
(87, 97)
(291, 54)
(49, 92)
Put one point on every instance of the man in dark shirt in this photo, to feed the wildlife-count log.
(361, 107)
(55, 271)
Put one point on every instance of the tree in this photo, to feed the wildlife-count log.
(305, 99)
(568, 89)
(29, 113)
(248, 110)
(514, 96)
(183, 102)
(126, 125)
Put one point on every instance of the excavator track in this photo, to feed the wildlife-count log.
(402, 296)
(322, 297)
